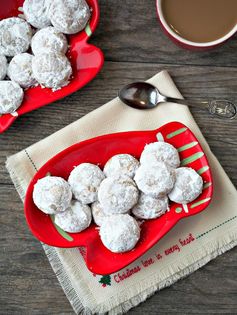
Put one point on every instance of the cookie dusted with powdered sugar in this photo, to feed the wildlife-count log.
(85, 180)
(98, 213)
(160, 152)
(69, 16)
(11, 96)
(188, 185)
(119, 233)
(149, 207)
(117, 194)
(3, 67)
(52, 194)
(36, 12)
(121, 164)
(47, 40)
(155, 180)
(75, 219)
(15, 36)
(20, 70)
(51, 70)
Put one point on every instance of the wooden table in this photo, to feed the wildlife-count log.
(135, 49)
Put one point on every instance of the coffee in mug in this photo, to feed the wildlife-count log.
(200, 21)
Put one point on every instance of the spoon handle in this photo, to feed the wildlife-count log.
(219, 108)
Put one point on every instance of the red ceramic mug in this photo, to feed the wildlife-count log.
(184, 43)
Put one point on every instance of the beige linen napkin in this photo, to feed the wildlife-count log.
(192, 242)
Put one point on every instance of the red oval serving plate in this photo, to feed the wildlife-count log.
(98, 150)
(86, 61)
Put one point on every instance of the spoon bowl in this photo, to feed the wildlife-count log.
(141, 95)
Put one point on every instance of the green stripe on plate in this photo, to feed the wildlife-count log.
(185, 207)
(200, 202)
(176, 132)
(160, 137)
(88, 30)
(60, 231)
(192, 158)
(206, 185)
(178, 210)
(187, 146)
(203, 170)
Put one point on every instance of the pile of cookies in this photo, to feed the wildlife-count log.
(119, 197)
(47, 65)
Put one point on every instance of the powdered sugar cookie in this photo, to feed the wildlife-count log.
(155, 180)
(117, 194)
(84, 181)
(15, 36)
(11, 96)
(52, 194)
(47, 40)
(36, 12)
(3, 67)
(51, 70)
(75, 219)
(121, 164)
(188, 185)
(119, 233)
(69, 16)
(20, 70)
(149, 207)
(160, 152)
(98, 213)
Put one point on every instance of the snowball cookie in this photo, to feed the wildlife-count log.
(52, 194)
(20, 70)
(51, 70)
(188, 185)
(11, 96)
(75, 219)
(48, 39)
(155, 180)
(69, 16)
(117, 194)
(121, 164)
(3, 67)
(36, 12)
(160, 152)
(98, 213)
(15, 36)
(85, 180)
(119, 233)
(149, 207)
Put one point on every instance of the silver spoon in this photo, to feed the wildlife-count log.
(143, 95)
